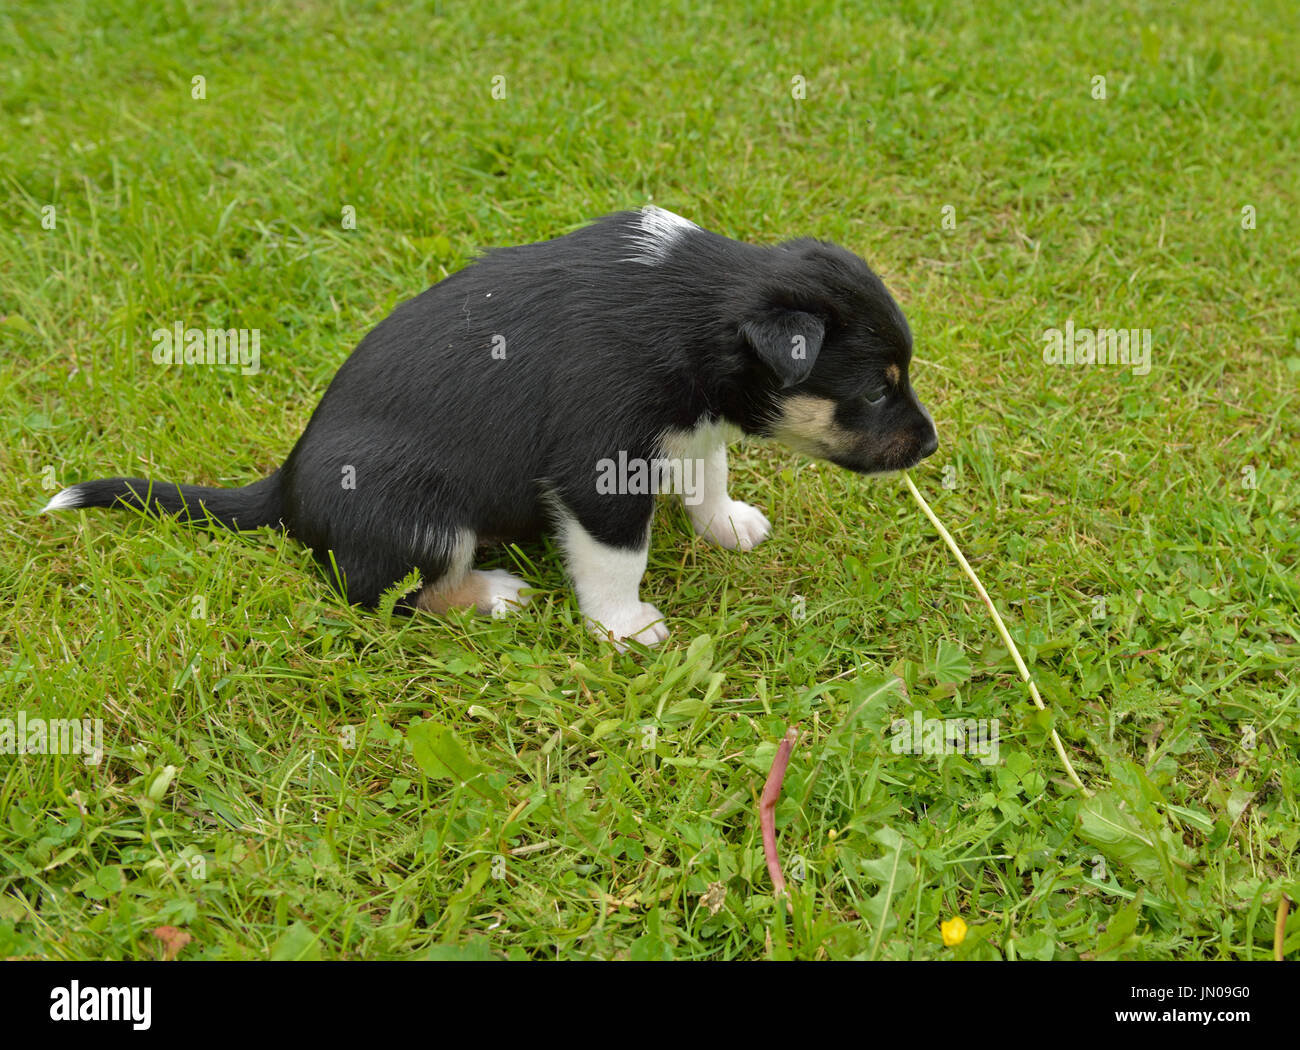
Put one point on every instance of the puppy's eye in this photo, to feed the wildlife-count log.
(875, 396)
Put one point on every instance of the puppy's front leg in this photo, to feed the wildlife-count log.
(607, 580)
(714, 514)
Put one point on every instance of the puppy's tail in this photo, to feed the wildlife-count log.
(250, 507)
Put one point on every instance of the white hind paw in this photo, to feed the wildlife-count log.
(492, 593)
(502, 594)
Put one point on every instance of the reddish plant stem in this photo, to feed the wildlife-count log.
(767, 808)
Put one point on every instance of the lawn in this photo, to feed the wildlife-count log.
(284, 776)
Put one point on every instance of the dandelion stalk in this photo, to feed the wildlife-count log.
(1002, 627)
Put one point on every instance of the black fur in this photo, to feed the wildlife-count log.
(607, 346)
(249, 507)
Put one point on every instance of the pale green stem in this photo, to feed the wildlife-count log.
(1002, 627)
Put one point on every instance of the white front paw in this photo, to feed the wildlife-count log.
(641, 622)
(734, 525)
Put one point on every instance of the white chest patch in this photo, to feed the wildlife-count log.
(656, 235)
(700, 442)
(714, 514)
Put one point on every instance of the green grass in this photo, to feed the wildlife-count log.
(611, 809)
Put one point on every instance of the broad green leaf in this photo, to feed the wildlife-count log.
(297, 943)
(1143, 844)
(475, 949)
(950, 664)
(440, 753)
(892, 873)
(1119, 932)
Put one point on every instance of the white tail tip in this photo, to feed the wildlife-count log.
(65, 500)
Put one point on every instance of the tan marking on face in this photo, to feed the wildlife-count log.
(893, 374)
(807, 425)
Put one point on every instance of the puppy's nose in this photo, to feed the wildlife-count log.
(930, 445)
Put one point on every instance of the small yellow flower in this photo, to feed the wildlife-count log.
(954, 931)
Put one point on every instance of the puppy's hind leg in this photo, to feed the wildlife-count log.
(494, 592)
(714, 515)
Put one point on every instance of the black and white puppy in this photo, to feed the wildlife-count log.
(491, 407)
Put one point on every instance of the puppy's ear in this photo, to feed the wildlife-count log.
(787, 341)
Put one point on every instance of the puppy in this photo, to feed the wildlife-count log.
(544, 388)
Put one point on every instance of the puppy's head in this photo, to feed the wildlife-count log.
(835, 349)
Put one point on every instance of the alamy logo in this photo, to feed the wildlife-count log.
(75, 1003)
(1101, 346)
(53, 736)
(946, 736)
(179, 345)
(640, 477)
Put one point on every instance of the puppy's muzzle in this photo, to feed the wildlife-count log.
(929, 443)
